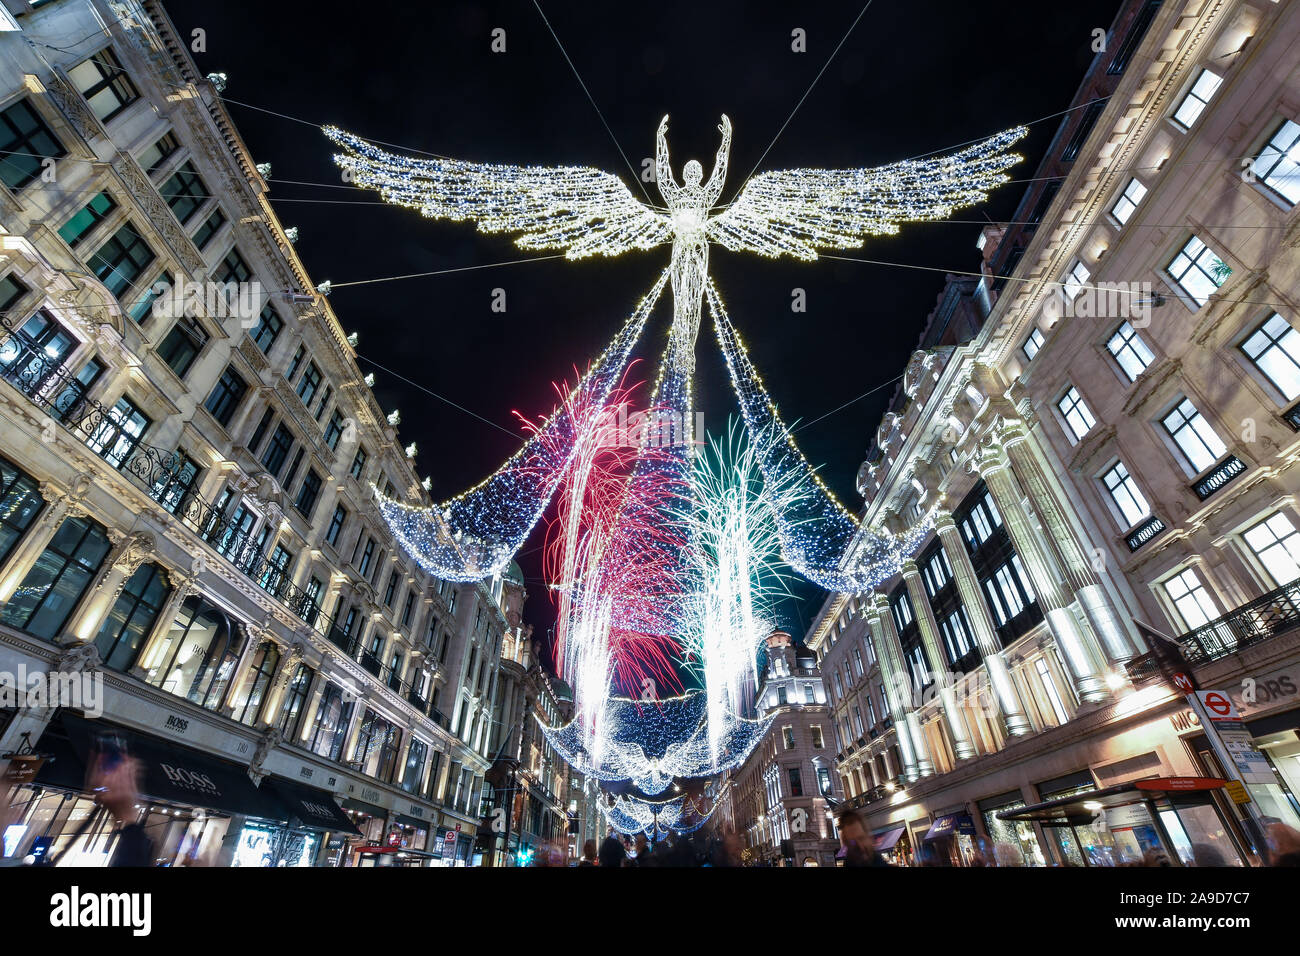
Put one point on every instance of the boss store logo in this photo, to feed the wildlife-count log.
(191, 780)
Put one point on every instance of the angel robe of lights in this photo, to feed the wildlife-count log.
(587, 212)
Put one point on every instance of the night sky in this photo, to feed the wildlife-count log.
(912, 77)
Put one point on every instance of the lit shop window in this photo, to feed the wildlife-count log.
(1050, 691)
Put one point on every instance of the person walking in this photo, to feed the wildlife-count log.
(612, 853)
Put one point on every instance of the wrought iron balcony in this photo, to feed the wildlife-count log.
(1263, 618)
(1144, 532)
(1220, 475)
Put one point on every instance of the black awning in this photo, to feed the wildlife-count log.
(175, 774)
(313, 808)
(63, 769)
(1084, 807)
(409, 821)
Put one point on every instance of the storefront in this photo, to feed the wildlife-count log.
(315, 823)
(1137, 823)
(952, 839)
(894, 845)
(188, 799)
(371, 823)
(1015, 843)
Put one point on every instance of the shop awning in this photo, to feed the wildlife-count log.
(1082, 807)
(175, 774)
(313, 808)
(409, 821)
(887, 839)
(950, 823)
(367, 808)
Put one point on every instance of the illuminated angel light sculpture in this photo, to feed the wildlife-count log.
(587, 212)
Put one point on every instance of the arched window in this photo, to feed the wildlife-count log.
(198, 657)
(248, 702)
(133, 616)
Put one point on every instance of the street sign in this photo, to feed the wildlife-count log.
(449, 845)
(1184, 683)
(1237, 790)
(1218, 705)
(1252, 766)
(1180, 783)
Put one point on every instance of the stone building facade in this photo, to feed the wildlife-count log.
(1115, 444)
(187, 502)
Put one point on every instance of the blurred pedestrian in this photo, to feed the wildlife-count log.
(612, 853)
(588, 854)
(1283, 845)
(116, 786)
(859, 847)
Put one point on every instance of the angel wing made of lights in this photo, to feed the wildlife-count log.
(797, 211)
(575, 208)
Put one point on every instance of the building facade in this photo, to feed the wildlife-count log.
(779, 800)
(1114, 444)
(188, 451)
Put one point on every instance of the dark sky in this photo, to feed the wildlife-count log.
(911, 78)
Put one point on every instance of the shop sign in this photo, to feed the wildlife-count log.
(1185, 721)
(306, 773)
(370, 795)
(23, 768)
(1180, 784)
(1218, 705)
(334, 843)
(417, 810)
(1237, 790)
(1133, 815)
(177, 725)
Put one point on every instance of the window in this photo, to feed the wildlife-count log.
(936, 573)
(1076, 414)
(1008, 591)
(334, 430)
(57, 581)
(20, 502)
(839, 685)
(1034, 343)
(857, 661)
(978, 526)
(185, 192)
(957, 635)
(377, 745)
(788, 734)
(226, 396)
(182, 345)
(332, 718)
(278, 450)
(310, 382)
(1133, 39)
(260, 431)
(336, 525)
(1089, 119)
(275, 575)
(391, 591)
(358, 464)
(144, 306)
(233, 268)
(1130, 351)
(11, 291)
(1124, 493)
(295, 363)
(415, 760)
(1198, 271)
(1276, 543)
(408, 608)
(1278, 164)
(1194, 436)
(173, 488)
(118, 434)
(1128, 201)
(31, 357)
(308, 493)
(1076, 280)
(1044, 202)
(1191, 598)
(119, 262)
(796, 784)
(310, 607)
(295, 703)
(248, 701)
(1197, 98)
(267, 329)
(818, 741)
(324, 401)
(25, 144)
(367, 555)
(154, 156)
(902, 609)
(1274, 348)
(211, 226)
(91, 215)
(1049, 689)
(104, 84)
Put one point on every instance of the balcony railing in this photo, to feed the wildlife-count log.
(1253, 623)
(1144, 532)
(1223, 473)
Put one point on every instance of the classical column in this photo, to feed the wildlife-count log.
(977, 613)
(314, 694)
(1081, 656)
(254, 640)
(354, 728)
(128, 553)
(961, 743)
(1080, 573)
(59, 504)
(911, 740)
